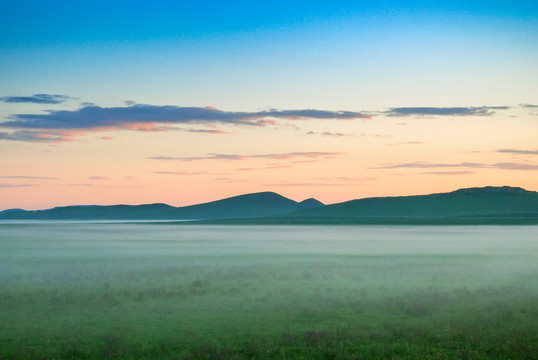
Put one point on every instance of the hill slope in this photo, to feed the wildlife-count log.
(493, 202)
(95, 212)
(249, 205)
(244, 206)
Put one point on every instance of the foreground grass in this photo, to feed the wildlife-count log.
(86, 304)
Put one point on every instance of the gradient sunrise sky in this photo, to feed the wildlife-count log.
(182, 102)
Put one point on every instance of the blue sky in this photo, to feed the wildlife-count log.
(54, 22)
(214, 47)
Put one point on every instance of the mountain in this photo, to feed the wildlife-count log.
(10, 210)
(473, 203)
(310, 203)
(487, 205)
(95, 212)
(242, 206)
(245, 206)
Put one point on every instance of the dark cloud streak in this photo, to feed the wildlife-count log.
(422, 165)
(35, 136)
(95, 117)
(36, 99)
(445, 111)
(27, 177)
(515, 151)
(16, 185)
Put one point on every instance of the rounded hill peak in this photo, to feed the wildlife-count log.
(491, 190)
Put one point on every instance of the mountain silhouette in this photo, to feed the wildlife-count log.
(245, 206)
(473, 205)
(495, 203)
(242, 206)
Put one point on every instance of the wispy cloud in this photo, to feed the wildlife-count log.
(376, 135)
(282, 166)
(305, 161)
(300, 184)
(36, 99)
(16, 185)
(424, 165)
(229, 180)
(268, 167)
(27, 177)
(246, 169)
(84, 184)
(516, 151)
(514, 166)
(279, 156)
(175, 173)
(204, 131)
(328, 133)
(463, 172)
(408, 143)
(346, 179)
(446, 111)
(105, 186)
(99, 178)
(38, 136)
(180, 173)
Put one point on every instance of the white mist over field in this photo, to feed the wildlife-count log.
(129, 287)
(90, 239)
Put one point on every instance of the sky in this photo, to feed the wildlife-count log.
(183, 102)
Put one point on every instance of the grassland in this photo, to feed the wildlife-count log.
(93, 291)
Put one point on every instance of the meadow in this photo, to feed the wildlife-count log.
(154, 291)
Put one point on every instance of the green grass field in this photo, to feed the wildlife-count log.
(154, 291)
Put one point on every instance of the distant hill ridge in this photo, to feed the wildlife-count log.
(493, 202)
(242, 206)
(498, 204)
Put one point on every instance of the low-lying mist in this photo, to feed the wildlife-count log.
(94, 290)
